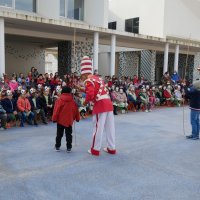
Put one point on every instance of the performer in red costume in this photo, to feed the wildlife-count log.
(103, 119)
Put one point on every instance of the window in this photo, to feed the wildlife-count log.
(62, 8)
(132, 25)
(112, 25)
(73, 9)
(27, 5)
(6, 3)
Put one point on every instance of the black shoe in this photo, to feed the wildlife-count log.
(35, 123)
(195, 138)
(192, 138)
(69, 150)
(29, 122)
(45, 122)
(57, 149)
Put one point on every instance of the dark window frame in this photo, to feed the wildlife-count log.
(112, 25)
(132, 25)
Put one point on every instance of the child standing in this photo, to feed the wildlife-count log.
(64, 113)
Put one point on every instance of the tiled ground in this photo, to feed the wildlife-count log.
(154, 162)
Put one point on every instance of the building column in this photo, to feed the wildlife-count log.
(176, 59)
(112, 55)
(166, 54)
(196, 72)
(64, 57)
(96, 50)
(148, 64)
(2, 47)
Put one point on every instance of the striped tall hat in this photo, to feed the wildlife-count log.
(86, 65)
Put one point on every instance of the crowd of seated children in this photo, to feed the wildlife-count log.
(31, 98)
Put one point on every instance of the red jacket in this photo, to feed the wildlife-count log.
(166, 94)
(65, 111)
(23, 104)
(91, 90)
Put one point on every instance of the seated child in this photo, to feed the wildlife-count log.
(178, 95)
(47, 102)
(36, 106)
(122, 100)
(132, 97)
(167, 94)
(79, 99)
(144, 99)
(9, 105)
(24, 108)
(3, 116)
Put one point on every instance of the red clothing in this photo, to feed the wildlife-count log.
(110, 84)
(135, 80)
(40, 81)
(65, 110)
(30, 77)
(56, 82)
(23, 104)
(92, 88)
(166, 94)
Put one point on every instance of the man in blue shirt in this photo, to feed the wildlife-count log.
(193, 94)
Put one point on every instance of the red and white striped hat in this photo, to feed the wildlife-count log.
(86, 65)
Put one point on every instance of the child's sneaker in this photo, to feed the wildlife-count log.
(69, 150)
(57, 149)
(146, 111)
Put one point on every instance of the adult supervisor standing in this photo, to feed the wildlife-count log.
(193, 94)
(103, 119)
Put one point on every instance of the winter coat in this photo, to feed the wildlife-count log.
(38, 103)
(23, 104)
(8, 105)
(2, 111)
(193, 94)
(175, 77)
(44, 102)
(65, 111)
(166, 94)
(13, 85)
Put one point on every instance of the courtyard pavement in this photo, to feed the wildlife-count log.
(154, 162)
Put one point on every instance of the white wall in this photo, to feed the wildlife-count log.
(104, 64)
(150, 12)
(182, 18)
(20, 57)
(96, 12)
(49, 9)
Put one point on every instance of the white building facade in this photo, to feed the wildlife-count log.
(168, 19)
(142, 37)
